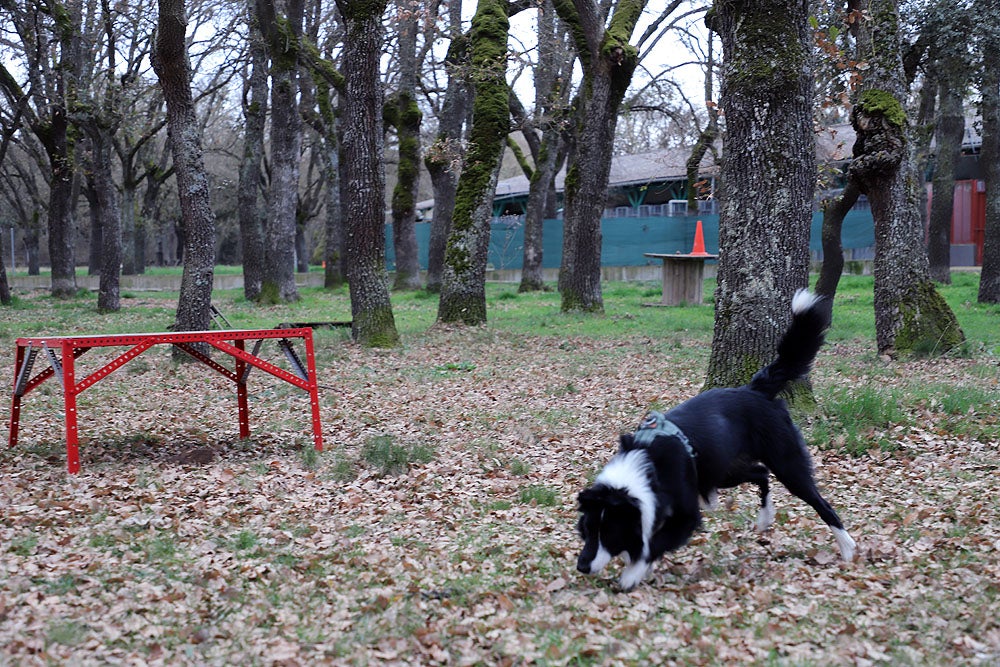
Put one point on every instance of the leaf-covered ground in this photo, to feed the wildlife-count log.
(464, 552)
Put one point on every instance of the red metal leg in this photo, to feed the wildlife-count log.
(313, 392)
(15, 405)
(69, 392)
(241, 392)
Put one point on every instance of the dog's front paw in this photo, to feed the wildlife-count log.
(633, 575)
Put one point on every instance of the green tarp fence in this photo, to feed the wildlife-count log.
(626, 239)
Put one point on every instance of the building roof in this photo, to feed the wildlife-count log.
(834, 144)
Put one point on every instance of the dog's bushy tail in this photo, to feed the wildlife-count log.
(799, 345)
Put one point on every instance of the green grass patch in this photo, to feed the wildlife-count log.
(389, 457)
(537, 494)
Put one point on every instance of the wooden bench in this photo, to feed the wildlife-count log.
(62, 352)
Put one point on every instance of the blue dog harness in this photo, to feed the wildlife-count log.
(654, 424)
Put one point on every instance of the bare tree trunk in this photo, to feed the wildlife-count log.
(197, 219)
(989, 280)
(333, 252)
(128, 233)
(555, 62)
(834, 212)
(59, 145)
(707, 136)
(444, 158)
(105, 196)
(910, 314)
(248, 200)
(463, 289)
(949, 132)
(281, 33)
(768, 177)
(364, 174)
(5, 298)
(608, 61)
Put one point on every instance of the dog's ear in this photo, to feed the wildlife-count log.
(626, 442)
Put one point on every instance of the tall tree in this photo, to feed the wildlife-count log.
(363, 174)
(910, 314)
(463, 288)
(768, 180)
(101, 124)
(988, 45)
(170, 62)
(249, 206)
(949, 65)
(608, 60)
(282, 28)
(546, 135)
(444, 156)
(50, 34)
(403, 113)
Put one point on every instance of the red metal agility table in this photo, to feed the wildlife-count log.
(62, 351)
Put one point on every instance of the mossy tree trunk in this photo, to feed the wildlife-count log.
(463, 287)
(404, 115)
(197, 218)
(250, 211)
(989, 280)
(910, 314)
(444, 157)
(768, 181)
(608, 61)
(318, 104)
(363, 174)
(281, 24)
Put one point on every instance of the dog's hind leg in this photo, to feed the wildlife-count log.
(797, 479)
(759, 475)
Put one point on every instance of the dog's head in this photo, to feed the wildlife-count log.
(610, 525)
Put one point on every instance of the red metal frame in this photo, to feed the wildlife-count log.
(231, 342)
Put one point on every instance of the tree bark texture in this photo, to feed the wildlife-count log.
(109, 214)
(406, 118)
(282, 32)
(834, 212)
(363, 175)
(948, 135)
(59, 145)
(608, 61)
(248, 200)
(768, 178)
(444, 157)
(910, 314)
(463, 287)
(989, 279)
(197, 219)
(555, 62)
(4, 284)
(706, 138)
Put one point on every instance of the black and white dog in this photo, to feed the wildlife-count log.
(646, 501)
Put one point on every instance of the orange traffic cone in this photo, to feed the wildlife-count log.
(699, 242)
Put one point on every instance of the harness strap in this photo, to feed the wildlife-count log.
(654, 424)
